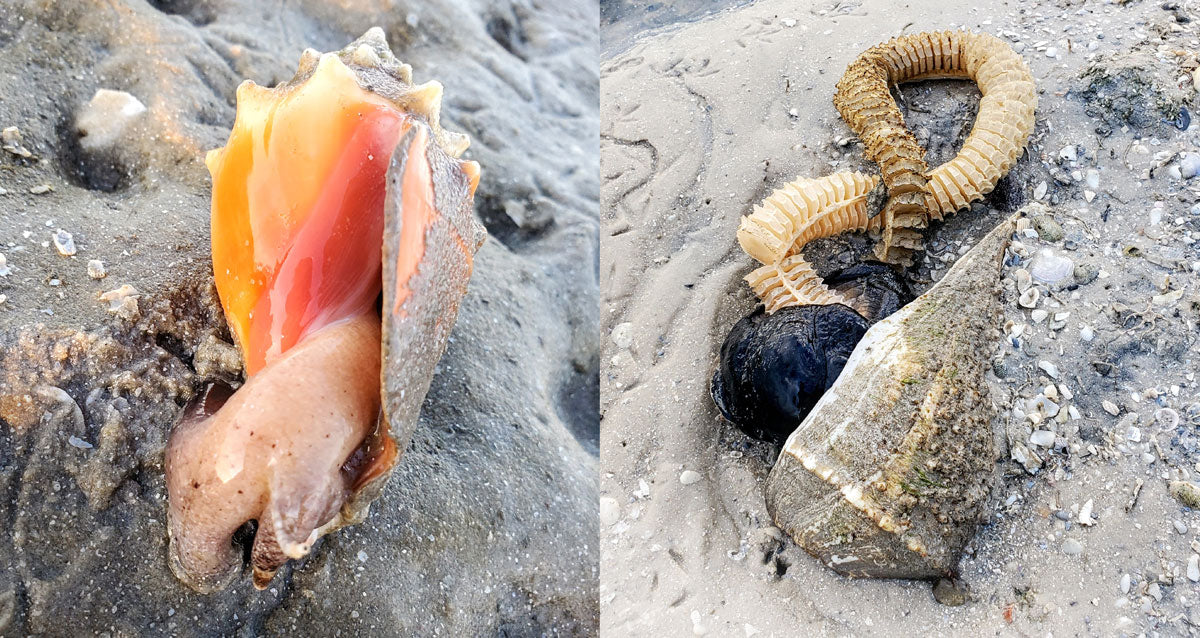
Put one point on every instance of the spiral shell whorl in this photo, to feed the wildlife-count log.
(378, 70)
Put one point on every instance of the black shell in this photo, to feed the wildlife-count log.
(775, 367)
(882, 288)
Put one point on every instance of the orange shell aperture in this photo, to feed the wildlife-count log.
(297, 207)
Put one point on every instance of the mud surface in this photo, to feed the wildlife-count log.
(1082, 535)
(488, 524)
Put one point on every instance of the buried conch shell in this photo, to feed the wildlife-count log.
(888, 474)
(334, 189)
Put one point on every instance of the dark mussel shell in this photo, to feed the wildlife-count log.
(775, 367)
(878, 284)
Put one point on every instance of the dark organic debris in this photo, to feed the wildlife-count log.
(775, 367)
(884, 290)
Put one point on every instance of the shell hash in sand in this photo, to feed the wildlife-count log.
(888, 474)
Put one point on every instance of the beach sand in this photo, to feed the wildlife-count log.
(702, 120)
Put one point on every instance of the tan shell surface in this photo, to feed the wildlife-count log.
(888, 475)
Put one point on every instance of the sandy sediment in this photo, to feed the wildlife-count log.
(1082, 535)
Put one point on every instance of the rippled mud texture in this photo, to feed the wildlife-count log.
(434, 557)
(888, 475)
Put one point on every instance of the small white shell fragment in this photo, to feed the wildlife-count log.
(1166, 418)
(1029, 298)
(1193, 568)
(1167, 299)
(1044, 405)
(1040, 190)
(102, 122)
(95, 269)
(1051, 268)
(10, 140)
(1093, 179)
(1086, 333)
(1024, 280)
(1038, 315)
(1134, 434)
(687, 477)
(4, 269)
(1110, 407)
(1085, 514)
(1042, 438)
(622, 335)
(122, 301)
(610, 510)
(1026, 458)
(64, 243)
(41, 189)
(1049, 368)
(79, 443)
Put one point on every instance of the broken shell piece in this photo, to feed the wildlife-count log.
(64, 243)
(888, 474)
(1024, 280)
(102, 122)
(1085, 514)
(95, 269)
(4, 269)
(1029, 298)
(1051, 268)
(334, 188)
(10, 140)
(122, 301)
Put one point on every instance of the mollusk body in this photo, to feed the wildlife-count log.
(330, 185)
(888, 474)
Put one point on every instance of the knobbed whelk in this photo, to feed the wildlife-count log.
(343, 240)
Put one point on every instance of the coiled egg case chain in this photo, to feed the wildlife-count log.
(792, 216)
(1002, 126)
